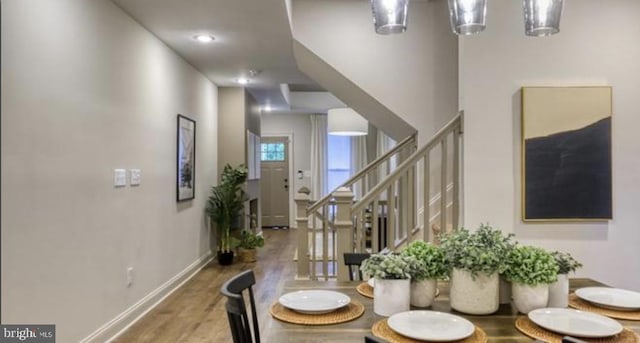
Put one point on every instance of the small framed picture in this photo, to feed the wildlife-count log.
(186, 159)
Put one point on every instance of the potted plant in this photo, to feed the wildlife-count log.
(475, 259)
(424, 279)
(530, 270)
(249, 242)
(559, 290)
(224, 207)
(392, 274)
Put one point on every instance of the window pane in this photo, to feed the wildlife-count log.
(338, 160)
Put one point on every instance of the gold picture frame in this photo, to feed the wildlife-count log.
(566, 154)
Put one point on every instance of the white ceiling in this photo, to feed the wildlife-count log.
(249, 34)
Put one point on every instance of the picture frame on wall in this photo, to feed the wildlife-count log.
(566, 154)
(186, 159)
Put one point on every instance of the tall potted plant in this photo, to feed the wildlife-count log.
(424, 278)
(530, 270)
(475, 260)
(559, 290)
(392, 274)
(225, 206)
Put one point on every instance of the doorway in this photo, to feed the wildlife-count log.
(274, 181)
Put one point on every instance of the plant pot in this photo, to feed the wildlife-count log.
(559, 292)
(505, 291)
(423, 292)
(477, 295)
(248, 255)
(225, 258)
(391, 296)
(527, 298)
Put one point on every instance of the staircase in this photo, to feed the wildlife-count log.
(393, 210)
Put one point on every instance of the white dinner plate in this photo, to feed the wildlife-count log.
(575, 323)
(614, 298)
(431, 326)
(314, 301)
(371, 282)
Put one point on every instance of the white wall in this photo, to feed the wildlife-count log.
(85, 89)
(597, 45)
(299, 126)
(413, 74)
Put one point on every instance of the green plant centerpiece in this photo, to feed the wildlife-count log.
(530, 270)
(476, 259)
(559, 290)
(433, 266)
(225, 206)
(249, 242)
(392, 275)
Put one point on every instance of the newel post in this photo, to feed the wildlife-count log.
(344, 229)
(302, 221)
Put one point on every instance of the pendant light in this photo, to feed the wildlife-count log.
(467, 16)
(542, 17)
(346, 122)
(390, 16)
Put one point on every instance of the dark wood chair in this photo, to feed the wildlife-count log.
(373, 339)
(233, 289)
(354, 260)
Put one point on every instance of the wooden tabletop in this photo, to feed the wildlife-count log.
(499, 326)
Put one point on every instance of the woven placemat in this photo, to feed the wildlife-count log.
(350, 312)
(381, 329)
(529, 328)
(579, 304)
(367, 291)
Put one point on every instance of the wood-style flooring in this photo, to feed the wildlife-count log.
(195, 312)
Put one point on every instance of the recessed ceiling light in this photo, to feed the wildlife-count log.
(242, 80)
(204, 38)
(267, 108)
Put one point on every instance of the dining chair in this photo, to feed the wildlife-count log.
(352, 260)
(233, 289)
(373, 339)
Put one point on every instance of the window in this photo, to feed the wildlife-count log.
(338, 160)
(272, 152)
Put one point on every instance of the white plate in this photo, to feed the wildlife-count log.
(575, 323)
(314, 301)
(431, 326)
(614, 298)
(371, 282)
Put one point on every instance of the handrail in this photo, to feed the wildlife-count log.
(406, 165)
(377, 162)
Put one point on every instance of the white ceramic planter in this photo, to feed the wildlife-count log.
(527, 298)
(479, 296)
(423, 292)
(505, 291)
(391, 296)
(559, 292)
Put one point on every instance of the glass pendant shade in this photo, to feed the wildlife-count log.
(390, 16)
(346, 122)
(542, 17)
(467, 16)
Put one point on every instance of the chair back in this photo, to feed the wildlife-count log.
(233, 289)
(354, 260)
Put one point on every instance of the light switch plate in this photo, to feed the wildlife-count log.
(135, 177)
(119, 177)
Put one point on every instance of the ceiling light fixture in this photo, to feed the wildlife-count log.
(390, 16)
(467, 16)
(542, 17)
(266, 108)
(242, 80)
(204, 38)
(346, 122)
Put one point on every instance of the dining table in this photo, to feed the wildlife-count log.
(499, 326)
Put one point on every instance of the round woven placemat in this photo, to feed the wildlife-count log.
(350, 312)
(579, 304)
(367, 291)
(381, 329)
(529, 328)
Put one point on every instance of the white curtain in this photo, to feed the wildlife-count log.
(385, 143)
(318, 156)
(358, 161)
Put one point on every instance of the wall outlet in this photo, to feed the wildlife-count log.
(129, 276)
(134, 175)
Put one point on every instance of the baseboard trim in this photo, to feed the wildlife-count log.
(115, 327)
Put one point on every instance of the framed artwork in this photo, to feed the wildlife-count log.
(186, 159)
(566, 153)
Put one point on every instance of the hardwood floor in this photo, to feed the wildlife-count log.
(195, 313)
